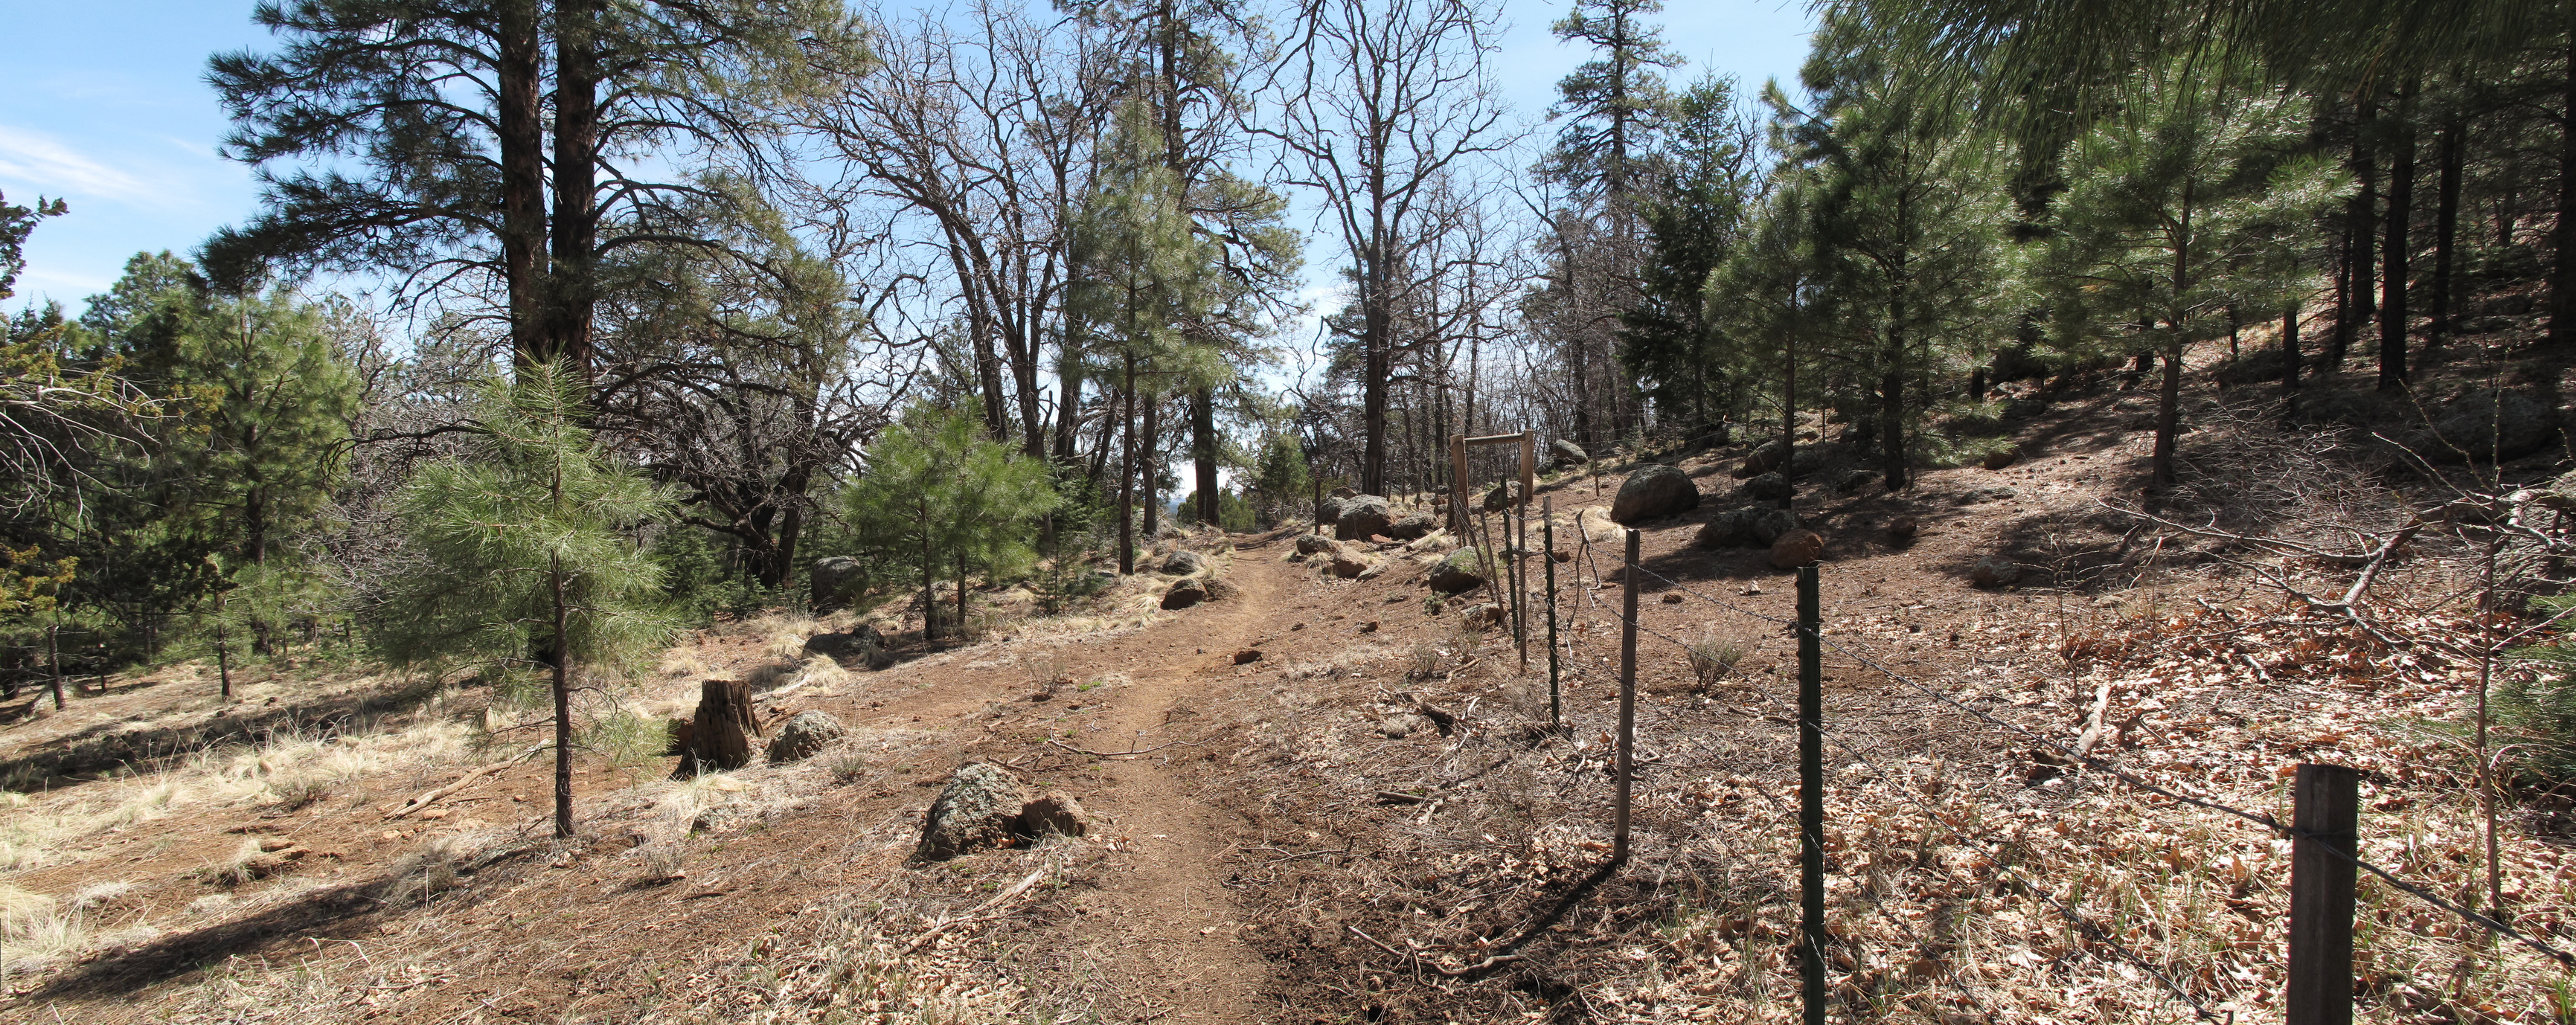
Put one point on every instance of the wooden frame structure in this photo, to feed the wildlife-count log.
(1458, 486)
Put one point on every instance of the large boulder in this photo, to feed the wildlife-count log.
(805, 735)
(1654, 492)
(980, 808)
(1769, 487)
(1563, 453)
(1503, 496)
(1184, 563)
(1769, 525)
(1054, 814)
(1185, 592)
(1328, 512)
(2485, 426)
(1463, 570)
(1797, 548)
(1361, 517)
(1763, 459)
(1410, 528)
(1730, 529)
(831, 578)
(1316, 544)
(858, 643)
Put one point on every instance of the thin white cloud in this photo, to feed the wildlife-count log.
(38, 163)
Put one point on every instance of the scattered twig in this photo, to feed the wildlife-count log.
(971, 916)
(1120, 754)
(425, 800)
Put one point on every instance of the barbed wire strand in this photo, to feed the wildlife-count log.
(2268, 822)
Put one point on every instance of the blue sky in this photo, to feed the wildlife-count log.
(109, 109)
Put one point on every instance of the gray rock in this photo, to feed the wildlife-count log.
(1410, 528)
(1345, 493)
(1461, 571)
(1764, 458)
(1185, 592)
(1566, 453)
(1989, 494)
(1769, 487)
(2485, 426)
(1653, 492)
(830, 579)
(858, 643)
(1994, 571)
(1328, 512)
(805, 734)
(980, 808)
(1361, 517)
(1316, 544)
(1730, 529)
(1854, 480)
(1503, 496)
(1054, 814)
(1184, 563)
(1768, 525)
(1809, 459)
(1397, 727)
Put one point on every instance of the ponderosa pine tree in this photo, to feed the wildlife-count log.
(1694, 215)
(2194, 199)
(943, 495)
(1908, 212)
(493, 145)
(527, 543)
(1148, 278)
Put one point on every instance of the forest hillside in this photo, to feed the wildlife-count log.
(1198, 512)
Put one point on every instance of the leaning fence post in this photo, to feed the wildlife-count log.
(1627, 698)
(1547, 530)
(2324, 819)
(1811, 796)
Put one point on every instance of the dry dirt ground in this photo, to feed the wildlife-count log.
(1369, 820)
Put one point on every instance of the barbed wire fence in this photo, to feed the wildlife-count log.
(2322, 835)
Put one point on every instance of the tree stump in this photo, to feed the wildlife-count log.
(720, 736)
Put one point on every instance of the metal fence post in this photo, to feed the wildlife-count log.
(2325, 817)
(1627, 698)
(1555, 699)
(1811, 796)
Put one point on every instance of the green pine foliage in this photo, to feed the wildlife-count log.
(944, 498)
(2198, 198)
(532, 531)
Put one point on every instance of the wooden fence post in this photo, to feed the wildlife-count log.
(1458, 485)
(1811, 796)
(1547, 531)
(1627, 699)
(2325, 815)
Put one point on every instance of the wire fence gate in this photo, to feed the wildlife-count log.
(2324, 830)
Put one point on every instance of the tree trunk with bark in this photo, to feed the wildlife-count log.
(720, 736)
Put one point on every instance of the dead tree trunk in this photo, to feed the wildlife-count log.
(720, 738)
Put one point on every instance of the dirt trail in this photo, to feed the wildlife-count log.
(1163, 931)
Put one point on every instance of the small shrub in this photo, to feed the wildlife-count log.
(1423, 661)
(1713, 657)
(303, 791)
(847, 767)
(626, 738)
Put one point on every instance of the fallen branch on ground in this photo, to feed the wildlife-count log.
(1120, 754)
(971, 916)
